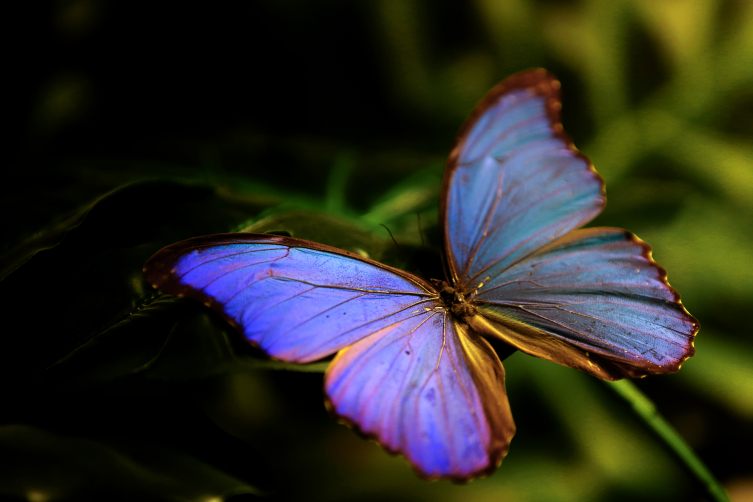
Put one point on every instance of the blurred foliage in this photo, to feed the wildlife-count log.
(326, 120)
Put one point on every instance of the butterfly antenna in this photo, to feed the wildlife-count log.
(393, 237)
(420, 231)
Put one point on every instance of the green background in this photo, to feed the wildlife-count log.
(133, 125)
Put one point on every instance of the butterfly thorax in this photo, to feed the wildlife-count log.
(455, 300)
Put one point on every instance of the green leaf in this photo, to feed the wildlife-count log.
(123, 349)
(337, 183)
(323, 228)
(202, 345)
(168, 339)
(38, 465)
(47, 239)
(90, 279)
(417, 192)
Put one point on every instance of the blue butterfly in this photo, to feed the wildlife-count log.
(414, 369)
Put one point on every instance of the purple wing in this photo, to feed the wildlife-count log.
(593, 300)
(427, 389)
(514, 181)
(409, 377)
(298, 301)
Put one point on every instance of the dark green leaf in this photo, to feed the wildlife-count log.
(123, 349)
(91, 279)
(168, 339)
(202, 345)
(322, 228)
(39, 465)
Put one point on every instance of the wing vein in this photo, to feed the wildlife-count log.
(235, 254)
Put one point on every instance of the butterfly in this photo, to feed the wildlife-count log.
(414, 369)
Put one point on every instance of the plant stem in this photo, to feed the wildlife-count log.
(646, 410)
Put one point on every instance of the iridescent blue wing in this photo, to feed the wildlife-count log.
(514, 181)
(296, 300)
(435, 390)
(429, 389)
(593, 300)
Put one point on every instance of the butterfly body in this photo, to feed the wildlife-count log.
(457, 301)
(414, 369)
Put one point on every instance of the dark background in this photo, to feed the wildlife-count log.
(348, 109)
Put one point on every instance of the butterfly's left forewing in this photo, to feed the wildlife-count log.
(298, 301)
